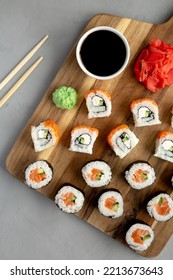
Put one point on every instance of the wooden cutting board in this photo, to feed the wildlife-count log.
(67, 165)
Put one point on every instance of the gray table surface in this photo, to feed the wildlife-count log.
(31, 226)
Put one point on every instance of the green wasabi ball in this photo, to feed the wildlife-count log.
(65, 97)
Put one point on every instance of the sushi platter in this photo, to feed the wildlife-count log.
(69, 165)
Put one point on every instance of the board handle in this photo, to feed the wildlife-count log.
(169, 22)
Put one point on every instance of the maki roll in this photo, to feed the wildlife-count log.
(160, 207)
(69, 199)
(110, 204)
(140, 175)
(83, 138)
(122, 140)
(164, 145)
(45, 135)
(98, 103)
(139, 237)
(145, 112)
(38, 174)
(97, 173)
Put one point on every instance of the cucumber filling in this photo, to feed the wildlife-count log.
(167, 145)
(145, 113)
(99, 176)
(145, 237)
(43, 136)
(73, 198)
(115, 206)
(160, 201)
(83, 140)
(99, 104)
(145, 176)
(123, 141)
(41, 171)
(124, 136)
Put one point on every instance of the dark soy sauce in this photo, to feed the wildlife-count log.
(103, 53)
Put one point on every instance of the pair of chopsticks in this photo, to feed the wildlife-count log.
(16, 70)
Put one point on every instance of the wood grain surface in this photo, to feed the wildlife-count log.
(67, 165)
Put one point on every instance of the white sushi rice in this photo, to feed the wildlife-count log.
(119, 148)
(105, 178)
(79, 201)
(88, 149)
(143, 166)
(93, 108)
(38, 164)
(106, 211)
(137, 246)
(152, 210)
(162, 148)
(139, 110)
(41, 144)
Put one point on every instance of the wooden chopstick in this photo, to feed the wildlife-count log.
(19, 82)
(22, 63)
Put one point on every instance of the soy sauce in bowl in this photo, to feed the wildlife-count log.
(102, 52)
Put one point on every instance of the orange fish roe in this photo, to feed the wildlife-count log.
(96, 91)
(135, 102)
(51, 124)
(163, 133)
(113, 131)
(92, 129)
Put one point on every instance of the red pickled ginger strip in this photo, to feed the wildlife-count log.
(154, 65)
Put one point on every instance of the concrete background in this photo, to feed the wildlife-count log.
(31, 226)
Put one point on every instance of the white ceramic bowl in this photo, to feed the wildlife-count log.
(82, 39)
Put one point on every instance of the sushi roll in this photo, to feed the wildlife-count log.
(98, 103)
(38, 174)
(139, 237)
(164, 145)
(110, 204)
(69, 199)
(45, 135)
(160, 207)
(145, 112)
(122, 140)
(83, 138)
(97, 173)
(140, 175)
